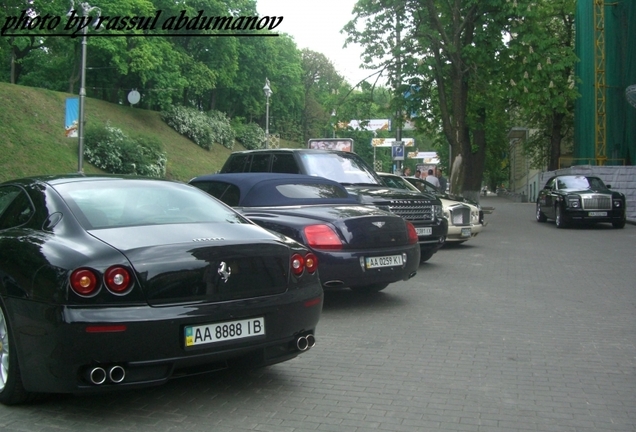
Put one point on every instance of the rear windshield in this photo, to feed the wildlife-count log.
(119, 203)
(340, 167)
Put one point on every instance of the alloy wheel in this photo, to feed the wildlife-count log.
(4, 351)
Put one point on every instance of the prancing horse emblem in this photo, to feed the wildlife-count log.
(224, 271)
(378, 224)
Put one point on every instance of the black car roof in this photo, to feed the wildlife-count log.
(259, 189)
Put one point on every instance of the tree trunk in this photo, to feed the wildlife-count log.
(555, 140)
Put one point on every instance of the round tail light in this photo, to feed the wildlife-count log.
(311, 262)
(117, 279)
(297, 264)
(84, 282)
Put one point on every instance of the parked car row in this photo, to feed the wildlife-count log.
(110, 282)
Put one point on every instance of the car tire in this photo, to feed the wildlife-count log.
(540, 216)
(12, 391)
(369, 289)
(619, 224)
(425, 256)
(559, 219)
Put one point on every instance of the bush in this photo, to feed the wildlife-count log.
(250, 135)
(204, 129)
(110, 149)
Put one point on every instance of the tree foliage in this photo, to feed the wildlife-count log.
(459, 57)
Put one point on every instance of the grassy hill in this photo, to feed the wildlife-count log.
(32, 140)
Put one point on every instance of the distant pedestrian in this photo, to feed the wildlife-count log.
(432, 179)
(407, 172)
(418, 174)
(443, 183)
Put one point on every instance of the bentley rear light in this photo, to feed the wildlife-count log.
(322, 237)
(297, 264)
(412, 233)
(84, 282)
(311, 262)
(117, 279)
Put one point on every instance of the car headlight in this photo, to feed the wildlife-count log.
(439, 211)
(574, 202)
(617, 203)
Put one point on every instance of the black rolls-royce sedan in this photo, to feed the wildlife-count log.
(572, 199)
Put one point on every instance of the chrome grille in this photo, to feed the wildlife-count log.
(460, 216)
(597, 202)
(413, 211)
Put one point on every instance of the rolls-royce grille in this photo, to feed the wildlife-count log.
(597, 202)
(413, 211)
(460, 216)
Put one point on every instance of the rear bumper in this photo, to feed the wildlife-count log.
(346, 269)
(56, 352)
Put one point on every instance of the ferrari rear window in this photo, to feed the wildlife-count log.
(119, 203)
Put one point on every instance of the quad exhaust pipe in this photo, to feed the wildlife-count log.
(304, 342)
(113, 374)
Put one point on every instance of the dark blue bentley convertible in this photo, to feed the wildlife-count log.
(360, 247)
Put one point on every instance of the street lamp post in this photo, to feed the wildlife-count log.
(86, 10)
(268, 92)
(333, 123)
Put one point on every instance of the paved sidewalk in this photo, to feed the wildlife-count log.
(525, 328)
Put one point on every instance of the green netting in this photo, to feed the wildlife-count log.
(620, 72)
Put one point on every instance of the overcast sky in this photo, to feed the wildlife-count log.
(316, 24)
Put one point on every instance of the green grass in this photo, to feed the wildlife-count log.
(32, 140)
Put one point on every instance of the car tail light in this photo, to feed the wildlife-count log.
(411, 232)
(297, 264)
(311, 262)
(84, 282)
(117, 279)
(322, 237)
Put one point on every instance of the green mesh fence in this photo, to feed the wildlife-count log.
(620, 72)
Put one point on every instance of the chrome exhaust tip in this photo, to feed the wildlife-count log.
(116, 374)
(311, 340)
(97, 375)
(302, 344)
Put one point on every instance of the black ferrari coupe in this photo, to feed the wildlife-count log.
(113, 282)
(360, 247)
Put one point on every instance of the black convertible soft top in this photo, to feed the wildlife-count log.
(264, 189)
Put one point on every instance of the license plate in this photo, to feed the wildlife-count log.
(424, 231)
(220, 332)
(597, 213)
(465, 232)
(385, 261)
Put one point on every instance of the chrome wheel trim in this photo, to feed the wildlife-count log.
(4, 351)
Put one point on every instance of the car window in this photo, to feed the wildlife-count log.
(284, 163)
(106, 204)
(237, 163)
(311, 191)
(15, 207)
(228, 193)
(343, 168)
(260, 162)
(393, 182)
